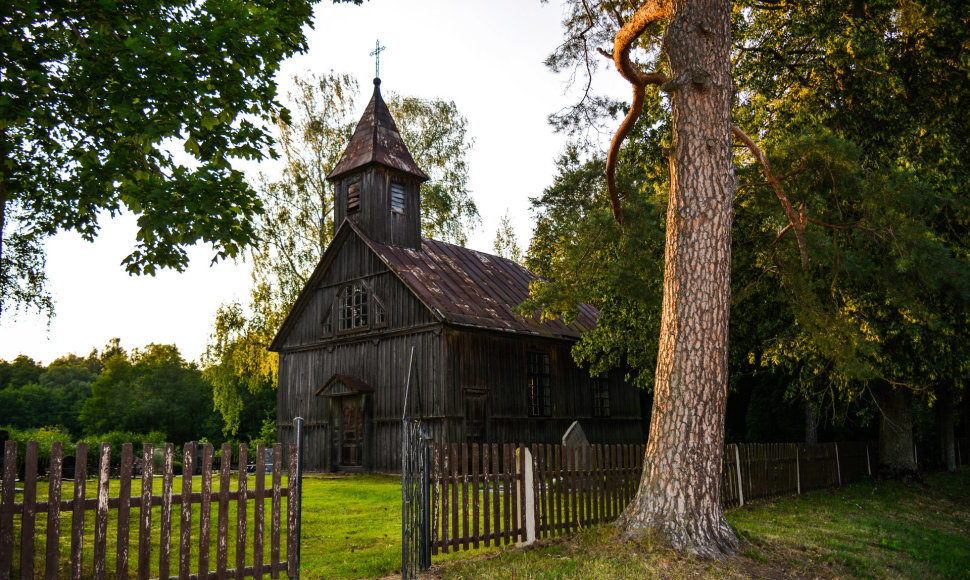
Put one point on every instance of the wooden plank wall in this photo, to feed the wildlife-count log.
(354, 261)
(473, 364)
(380, 363)
(197, 502)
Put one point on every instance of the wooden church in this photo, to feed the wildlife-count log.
(480, 372)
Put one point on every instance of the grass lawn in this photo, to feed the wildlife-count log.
(869, 530)
(352, 528)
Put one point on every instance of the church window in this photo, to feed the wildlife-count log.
(353, 307)
(353, 197)
(397, 197)
(540, 387)
(328, 323)
(601, 397)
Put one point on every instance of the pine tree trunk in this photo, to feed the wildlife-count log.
(896, 457)
(944, 429)
(679, 497)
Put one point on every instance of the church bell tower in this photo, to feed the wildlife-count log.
(377, 184)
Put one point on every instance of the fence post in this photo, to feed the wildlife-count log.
(798, 471)
(297, 488)
(838, 468)
(737, 463)
(424, 554)
(529, 499)
(868, 463)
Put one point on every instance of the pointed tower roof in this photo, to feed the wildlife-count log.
(377, 140)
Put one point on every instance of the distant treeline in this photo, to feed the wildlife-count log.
(149, 394)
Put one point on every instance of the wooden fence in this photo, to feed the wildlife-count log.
(477, 493)
(492, 494)
(576, 487)
(149, 533)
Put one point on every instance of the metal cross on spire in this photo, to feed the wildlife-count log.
(377, 53)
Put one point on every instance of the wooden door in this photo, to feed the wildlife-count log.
(475, 417)
(351, 431)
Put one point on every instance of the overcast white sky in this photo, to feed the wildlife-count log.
(486, 55)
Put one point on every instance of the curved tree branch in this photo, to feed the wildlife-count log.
(622, 44)
(613, 155)
(796, 218)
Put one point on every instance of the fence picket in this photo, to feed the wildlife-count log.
(486, 493)
(435, 497)
(165, 543)
(453, 481)
(205, 511)
(507, 491)
(475, 494)
(29, 514)
(6, 504)
(124, 509)
(291, 522)
(241, 513)
(101, 516)
(185, 522)
(464, 495)
(77, 515)
(145, 513)
(275, 505)
(222, 536)
(496, 503)
(258, 508)
(54, 512)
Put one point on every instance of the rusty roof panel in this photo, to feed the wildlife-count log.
(377, 140)
(471, 288)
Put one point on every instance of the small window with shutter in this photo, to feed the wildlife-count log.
(397, 197)
(353, 197)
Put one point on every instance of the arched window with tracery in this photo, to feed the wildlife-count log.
(352, 307)
(355, 307)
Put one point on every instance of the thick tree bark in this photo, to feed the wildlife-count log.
(679, 497)
(944, 429)
(811, 423)
(896, 457)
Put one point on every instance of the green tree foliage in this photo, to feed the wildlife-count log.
(94, 95)
(866, 95)
(32, 396)
(298, 221)
(151, 390)
(506, 243)
(22, 371)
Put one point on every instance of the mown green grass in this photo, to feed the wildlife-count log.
(352, 529)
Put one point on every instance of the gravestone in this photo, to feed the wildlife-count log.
(575, 443)
(575, 437)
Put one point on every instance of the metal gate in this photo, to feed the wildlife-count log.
(416, 513)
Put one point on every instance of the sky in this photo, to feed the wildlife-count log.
(485, 55)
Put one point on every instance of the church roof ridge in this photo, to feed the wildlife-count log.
(377, 140)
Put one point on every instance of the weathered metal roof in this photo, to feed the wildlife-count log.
(470, 288)
(377, 140)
